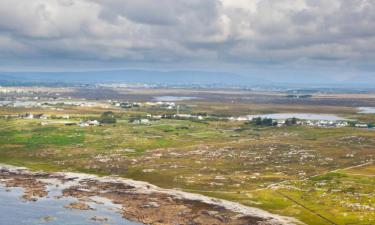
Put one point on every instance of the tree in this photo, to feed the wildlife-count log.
(258, 121)
(352, 123)
(291, 121)
(107, 118)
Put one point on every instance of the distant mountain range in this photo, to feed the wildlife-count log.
(132, 77)
(177, 78)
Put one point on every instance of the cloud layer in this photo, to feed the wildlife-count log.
(247, 33)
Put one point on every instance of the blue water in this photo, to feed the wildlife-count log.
(174, 98)
(367, 110)
(15, 211)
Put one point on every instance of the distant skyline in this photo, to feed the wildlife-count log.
(283, 40)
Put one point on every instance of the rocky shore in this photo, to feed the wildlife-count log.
(138, 201)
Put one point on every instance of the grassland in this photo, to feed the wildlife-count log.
(305, 172)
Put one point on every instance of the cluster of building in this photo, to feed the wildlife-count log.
(129, 105)
(152, 118)
(312, 123)
(45, 104)
(41, 116)
(89, 123)
(324, 123)
(182, 116)
(21, 104)
(330, 123)
(7, 90)
(142, 121)
(34, 116)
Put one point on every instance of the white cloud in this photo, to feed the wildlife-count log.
(222, 31)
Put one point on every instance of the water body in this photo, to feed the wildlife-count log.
(174, 98)
(366, 110)
(16, 211)
(302, 116)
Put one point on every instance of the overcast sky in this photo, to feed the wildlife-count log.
(288, 38)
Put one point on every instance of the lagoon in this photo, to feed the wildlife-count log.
(174, 98)
(50, 210)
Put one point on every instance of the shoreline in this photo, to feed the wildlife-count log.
(140, 201)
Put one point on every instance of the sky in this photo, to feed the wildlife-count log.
(281, 39)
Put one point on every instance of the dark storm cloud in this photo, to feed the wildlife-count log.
(243, 32)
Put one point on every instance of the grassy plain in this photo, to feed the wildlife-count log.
(293, 171)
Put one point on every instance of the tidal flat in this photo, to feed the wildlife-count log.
(81, 199)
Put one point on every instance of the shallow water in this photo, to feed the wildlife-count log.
(366, 110)
(173, 98)
(302, 116)
(16, 211)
